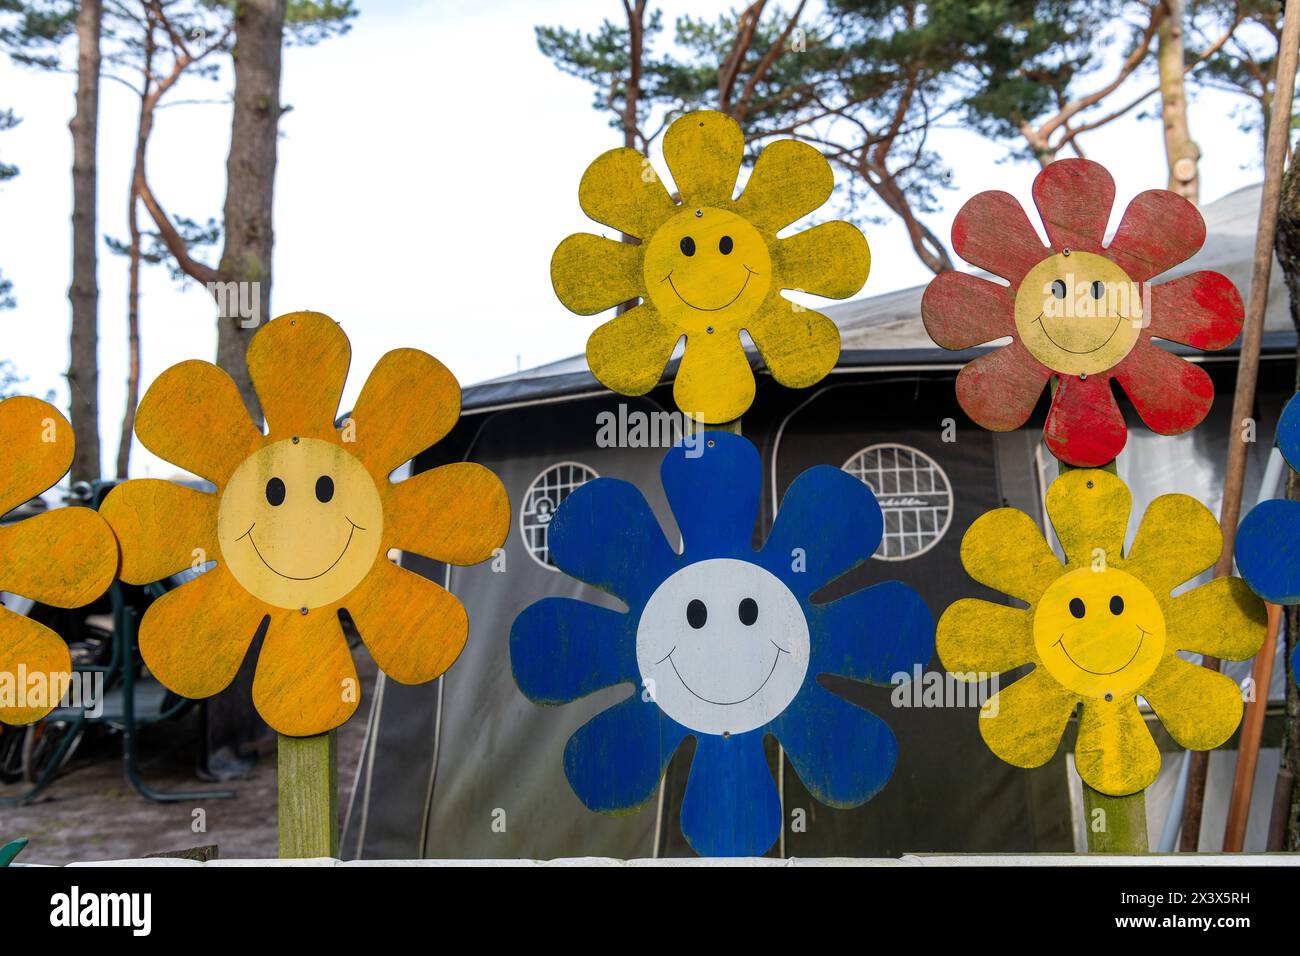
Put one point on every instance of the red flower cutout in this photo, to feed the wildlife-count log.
(1081, 311)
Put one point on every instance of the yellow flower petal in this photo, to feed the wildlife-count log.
(160, 526)
(703, 151)
(1004, 550)
(1222, 618)
(306, 682)
(629, 352)
(38, 446)
(976, 636)
(408, 403)
(1200, 708)
(1177, 540)
(790, 180)
(714, 383)
(830, 260)
(194, 638)
(193, 417)
(457, 513)
(621, 189)
(1089, 510)
(591, 273)
(1031, 715)
(28, 648)
(298, 364)
(799, 346)
(1115, 752)
(413, 628)
(65, 558)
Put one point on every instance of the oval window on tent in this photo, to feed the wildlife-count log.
(914, 495)
(543, 496)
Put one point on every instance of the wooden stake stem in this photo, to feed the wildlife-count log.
(1252, 731)
(1115, 824)
(308, 796)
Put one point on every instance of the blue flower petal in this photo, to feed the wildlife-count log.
(714, 495)
(843, 754)
(731, 806)
(562, 649)
(1288, 432)
(872, 634)
(835, 521)
(1268, 550)
(615, 760)
(605, 534)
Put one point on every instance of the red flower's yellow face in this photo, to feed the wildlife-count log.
(299, 523)
(707, 270)
(1079, 314)
(1100, 633)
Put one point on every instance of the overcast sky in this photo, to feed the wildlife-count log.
(428, 168)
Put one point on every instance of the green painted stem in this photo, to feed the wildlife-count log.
(1115, 824)
(308, 797)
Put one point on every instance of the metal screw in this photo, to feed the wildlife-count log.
(302, 610)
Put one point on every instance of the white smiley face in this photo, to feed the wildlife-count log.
(722, 646)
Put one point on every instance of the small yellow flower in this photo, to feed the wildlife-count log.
(1101, 630)
(63, 558)
(709, 266)
(301, 524)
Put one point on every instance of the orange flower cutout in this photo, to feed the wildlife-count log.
(63, 558)
(301, 524)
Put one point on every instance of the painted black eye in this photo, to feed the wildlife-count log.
(724, 245)
(275, 492)
(1098, 289)
(324, 488)
(1077, 608)
(696, 614)
(688, 246)
(1117, 605)
(1058, 289)
(748, 611)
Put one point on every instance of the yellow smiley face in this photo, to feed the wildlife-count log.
(1079, 314)
(299, 523)
(1099, 633)
(707, 270)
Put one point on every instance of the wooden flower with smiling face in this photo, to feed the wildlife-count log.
(709, 266)
(301, 523)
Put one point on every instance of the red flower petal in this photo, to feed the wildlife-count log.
(1074, 197)
(1203, 310)
(1084, 426)
(1171, 394)
(961, 310)
(999, 390)
(993, 233)
(1159, 230)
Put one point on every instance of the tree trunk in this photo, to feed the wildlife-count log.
(83, 358)
(1181, 150)
(250, 181)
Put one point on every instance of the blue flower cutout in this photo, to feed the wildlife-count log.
(1268, 539)
(721, 642)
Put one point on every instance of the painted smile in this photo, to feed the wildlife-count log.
(1042, 325)
(1141, 630)
(347, 544)
(726, 703)
(748, 274)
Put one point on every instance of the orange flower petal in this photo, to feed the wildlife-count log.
(413, 628)
(37, 449)
(458, 513)
(298, 364)
(28, 648)
(65, 558)
(306, 682)
(162, 527)
(409, 402)
(192, 416)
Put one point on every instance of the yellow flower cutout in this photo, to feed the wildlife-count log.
(1102, 630)
(709, 266)
(301, 524)
(64, 558)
